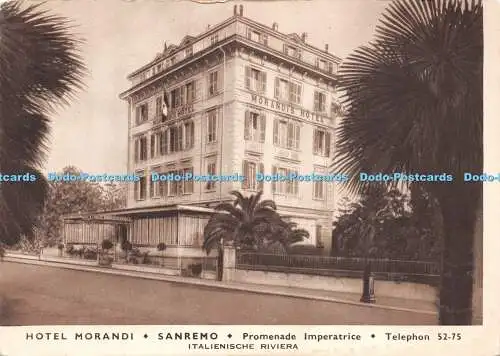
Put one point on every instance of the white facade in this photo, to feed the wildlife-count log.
(244, 99)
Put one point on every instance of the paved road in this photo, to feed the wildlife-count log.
(39, 295)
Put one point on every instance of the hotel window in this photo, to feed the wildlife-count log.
(173, 60)
(324, 65)
(287, 91)
(321, 142)
(212, 126)
(173, 185)
(182, 96)
(188, 128)
(292, 51)
(180, 137)
(187, 183)
(140, 187)
(250, 170)
(175, 97)
(255, 80)
(211, 171)
(255, 126)
(319, 237)
(173, 139)
(162, 186)
(163, 142)
(154, 145)
(319, 189)
(141, 113)
(189, 51)
(154, 188)
(319, 101)
(141, 149)
(158, 107)
(214, 39)
(285, 187)
(286, 133)
(256, 36)
(190, 92)
(213, 83)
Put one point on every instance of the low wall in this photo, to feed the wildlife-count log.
(166, 271)
(69, 260)
(405, 290)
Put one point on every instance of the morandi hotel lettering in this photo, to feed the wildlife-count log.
(287, 109)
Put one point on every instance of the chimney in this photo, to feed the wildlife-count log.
(304, 36)
(235, 10)
(241, 10)
(326, 47)
(275, 26)
(208, 27)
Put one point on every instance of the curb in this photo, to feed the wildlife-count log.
(219, 285)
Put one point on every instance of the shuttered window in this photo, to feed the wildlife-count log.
(255, 126)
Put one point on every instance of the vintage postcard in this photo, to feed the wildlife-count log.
(309, 177)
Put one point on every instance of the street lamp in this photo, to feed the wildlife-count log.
(368, 295)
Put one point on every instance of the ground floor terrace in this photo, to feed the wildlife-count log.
(169, 238)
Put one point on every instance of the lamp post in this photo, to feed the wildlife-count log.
(368, 295)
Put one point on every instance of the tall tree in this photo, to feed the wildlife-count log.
(68, 197)
(385, 223)
(413, 100)
(39, 68)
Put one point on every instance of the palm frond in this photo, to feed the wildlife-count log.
(40, 68)
(413, 95)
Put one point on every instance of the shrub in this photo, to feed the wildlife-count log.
(161, 246)
(90, 254)
(145, 258)
(60, 246)
(126, 246)
(69, 249)
(195, 269)
(107, 244)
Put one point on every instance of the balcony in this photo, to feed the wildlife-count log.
(287, 154)
(254, 147)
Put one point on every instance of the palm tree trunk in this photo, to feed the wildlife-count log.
(459, 206)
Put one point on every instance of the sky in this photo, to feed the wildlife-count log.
(122, 35)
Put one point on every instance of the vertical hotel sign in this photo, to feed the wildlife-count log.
(289, 109)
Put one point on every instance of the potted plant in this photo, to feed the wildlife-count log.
(60, 247)
(126, 247)
(69, 249)
(162, 247)
(195, 269)
(106, 245)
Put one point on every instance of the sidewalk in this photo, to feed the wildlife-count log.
(415, 306)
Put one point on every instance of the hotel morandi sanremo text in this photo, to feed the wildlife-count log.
(241, 98)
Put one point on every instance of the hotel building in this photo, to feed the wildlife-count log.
(243, 98)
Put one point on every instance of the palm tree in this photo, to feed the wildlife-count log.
(295, 234)
(242, 222)
(40, 67)
(413, 104)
